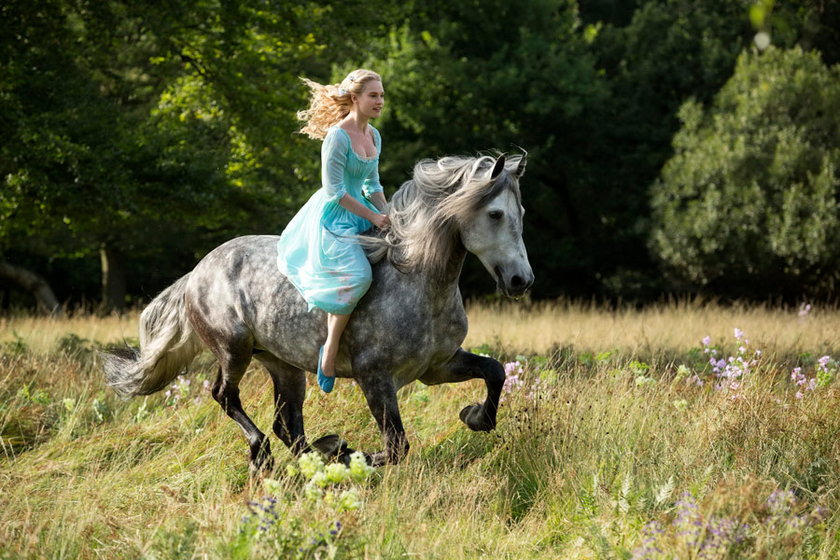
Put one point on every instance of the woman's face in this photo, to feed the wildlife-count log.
(369, 103)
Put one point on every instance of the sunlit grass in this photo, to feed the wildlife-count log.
(578, 471)
(41, 334)
(543, 326)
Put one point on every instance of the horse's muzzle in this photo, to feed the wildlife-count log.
(513, 283)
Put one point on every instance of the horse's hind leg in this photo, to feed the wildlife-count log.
(289, 393)
(464, 366)
(226, 393)
(233, 350)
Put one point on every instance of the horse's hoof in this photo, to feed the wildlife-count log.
(332, 446)
(377, 459)
(474, 417)
(261, 459)
(261, 465)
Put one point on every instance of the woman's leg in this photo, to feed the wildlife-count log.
(335, 328)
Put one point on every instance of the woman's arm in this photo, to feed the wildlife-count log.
(379, 220)
(378, 200)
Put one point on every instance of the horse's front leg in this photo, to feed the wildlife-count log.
(465, 366)
(382, 400)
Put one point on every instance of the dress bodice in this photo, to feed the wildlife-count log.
(345, 171)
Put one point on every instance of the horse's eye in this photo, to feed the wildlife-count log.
(496, 214)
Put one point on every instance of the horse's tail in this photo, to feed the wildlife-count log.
(167, 346)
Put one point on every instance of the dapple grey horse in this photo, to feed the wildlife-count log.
(409, 326)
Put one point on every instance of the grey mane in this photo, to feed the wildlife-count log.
(427, 210)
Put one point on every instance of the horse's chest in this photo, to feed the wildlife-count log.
(431, 339)
(413, 329)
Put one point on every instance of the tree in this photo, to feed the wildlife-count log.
(594, 104)
(33, 283)
(469, 77)
(670, 50)
(88, 168)
(748, 205)
(142, 130)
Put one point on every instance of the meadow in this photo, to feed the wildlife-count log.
(682, 430)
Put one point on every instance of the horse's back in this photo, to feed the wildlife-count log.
(238, 288)
(219, 278)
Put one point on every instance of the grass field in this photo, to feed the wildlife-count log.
(617, 439)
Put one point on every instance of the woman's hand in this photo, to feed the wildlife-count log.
(382, 221)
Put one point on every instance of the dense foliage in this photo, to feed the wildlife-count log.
(752, 191)
(139, 135)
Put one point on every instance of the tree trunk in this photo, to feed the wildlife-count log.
(113, 280)
(44, 296)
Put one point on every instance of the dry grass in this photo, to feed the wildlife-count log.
(41, 334)
(541, 327)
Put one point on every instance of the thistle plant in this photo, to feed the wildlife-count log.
(512, 380)
(804, 310)
(182, 392)
(826, 371)
(517, 382)
(694, 534)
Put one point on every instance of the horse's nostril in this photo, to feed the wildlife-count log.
(517, 282)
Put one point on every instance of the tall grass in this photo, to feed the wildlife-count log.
(542, 326)
(607, 448)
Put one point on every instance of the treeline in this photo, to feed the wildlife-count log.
(675, 146)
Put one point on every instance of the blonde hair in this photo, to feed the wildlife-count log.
(332, 102)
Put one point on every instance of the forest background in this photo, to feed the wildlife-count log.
(675, 146)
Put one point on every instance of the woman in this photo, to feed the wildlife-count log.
(317, 251)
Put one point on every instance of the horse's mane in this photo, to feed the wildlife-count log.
(428, 209)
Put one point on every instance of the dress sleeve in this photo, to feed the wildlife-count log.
(333, 161)
(372, 183)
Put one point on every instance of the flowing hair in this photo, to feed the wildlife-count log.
(332, 102)
(427, 211)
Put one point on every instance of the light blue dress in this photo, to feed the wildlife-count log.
(330, 269)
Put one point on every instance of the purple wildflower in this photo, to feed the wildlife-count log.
(650, 536)
(803, 382)
(512, 381)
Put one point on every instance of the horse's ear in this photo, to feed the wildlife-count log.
(498, 167)
(520, 169)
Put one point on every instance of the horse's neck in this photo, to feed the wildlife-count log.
(438, 289)
(452, 272)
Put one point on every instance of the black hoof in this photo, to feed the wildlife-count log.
(476, 419)
(261, 459)
(265, 464)
(333, 447)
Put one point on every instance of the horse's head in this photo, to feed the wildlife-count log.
(460, 202)
(493, 231)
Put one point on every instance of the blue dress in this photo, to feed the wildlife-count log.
(330, 269)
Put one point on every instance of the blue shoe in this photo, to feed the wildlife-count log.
(324, 382)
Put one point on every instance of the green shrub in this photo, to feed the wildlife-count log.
(750, 197)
